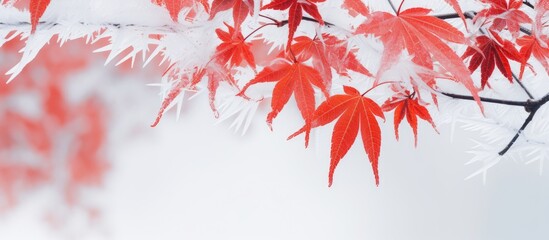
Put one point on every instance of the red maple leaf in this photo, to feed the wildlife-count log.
(406, 104)
(495, 52)
(241, 9)
(457, 8)
(356, 7)
(422, 36)
(534, 46)
(354, 111)
(214, 73)
(233, 49)
(37, 9)
(292, 78)
(326, 53)
(175, 6)
(296, 8)
(504, 14)
(231, 52)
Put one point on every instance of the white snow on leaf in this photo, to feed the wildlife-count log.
(240, 109)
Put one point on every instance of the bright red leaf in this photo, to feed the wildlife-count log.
(356, 7)
(504, 14)
(296, 8)
(422, 36)
(37, 9)
(214, 73)
(457, 8)
(233, 49)
(495, 52)
(406, 104)
(292, 78)
(241, 9)
(354, 111)
(326, 53)
(175, 6)
(530, 45)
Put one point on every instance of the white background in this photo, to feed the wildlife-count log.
(193, 179)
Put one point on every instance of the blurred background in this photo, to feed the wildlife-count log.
(78, 160)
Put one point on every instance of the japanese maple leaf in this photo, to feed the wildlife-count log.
(241, 9)
(355, 112)
(292, 77)
(233, 49)
(504, 14)
(296, 8)
(457, 8)
(326, 53)
(356, 7)
(495, 52)
(405, 104)
(214, 73)
(530, 45)
(423, 37)
(175, 6)
(37, 9)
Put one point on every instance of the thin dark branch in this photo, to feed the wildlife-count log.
(522, 86)
(328, 24)
(447, 16)
(392, 6)
(489, 100)
(471, 15)
(22, 24)
(524, 125)
(259, 28)
(527, 3)
(531, 106)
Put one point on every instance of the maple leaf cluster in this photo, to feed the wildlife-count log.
(500, 34)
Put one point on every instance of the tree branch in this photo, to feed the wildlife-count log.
(23, 24)
(392, 6)
(527, 3)
(488, 100)
(531, 106)
(328, 24)
(524, 125)
(471, 15)
(522, 86)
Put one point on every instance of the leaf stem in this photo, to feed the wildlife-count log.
(400, 7)
(270, 18)
(259, 28)
(284, 22)
(375, 86)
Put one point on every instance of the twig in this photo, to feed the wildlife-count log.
(471, 15)
(160, 28)
(522, 86)
(531, 106)
(328, 24)
(527, 3)
(484, 99)
(392, 6)
(526, 122)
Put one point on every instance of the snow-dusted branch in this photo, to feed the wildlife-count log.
(25, 26)
(530, 106)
